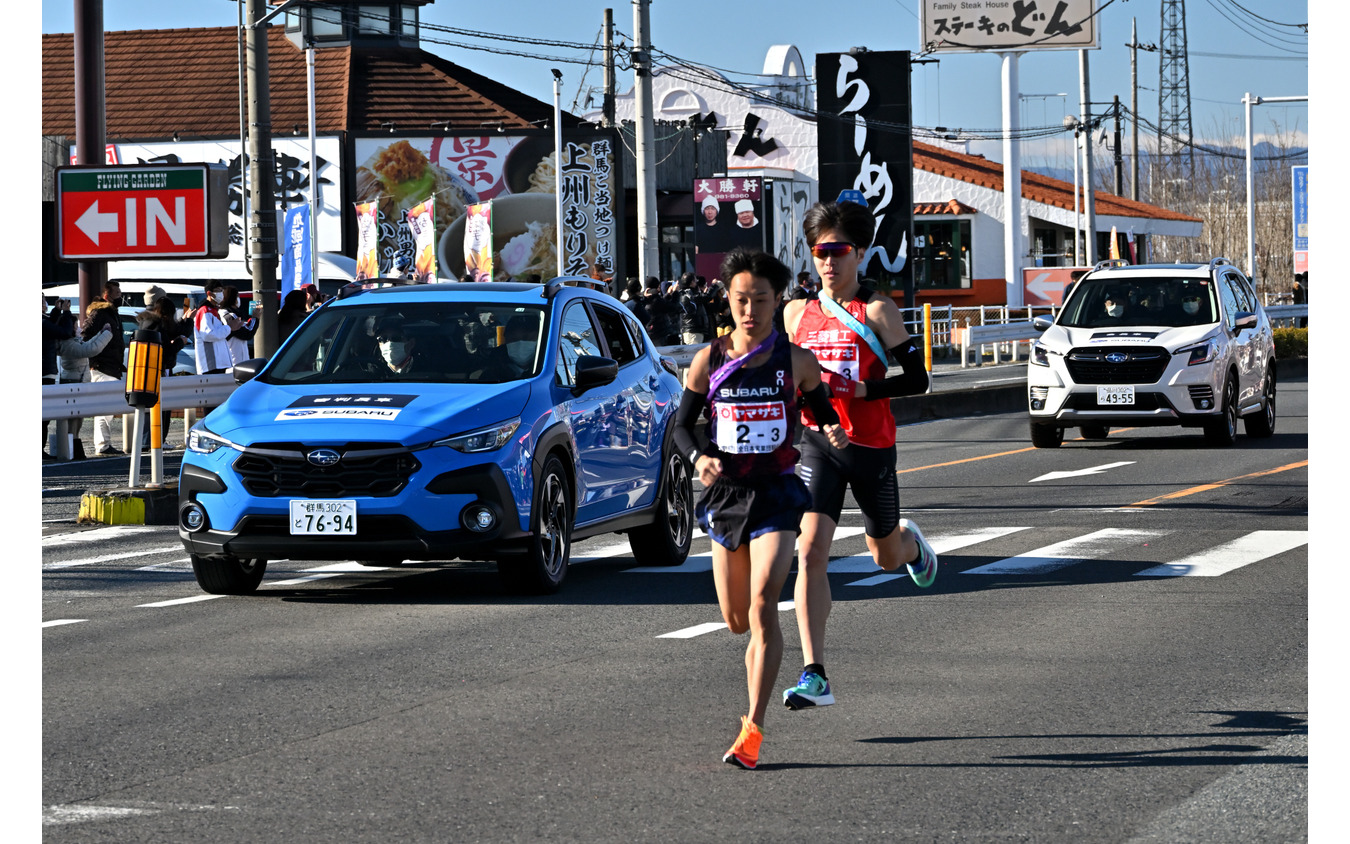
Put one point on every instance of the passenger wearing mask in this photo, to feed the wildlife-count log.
(514, 359)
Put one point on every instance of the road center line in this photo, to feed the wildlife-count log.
(1217, 484)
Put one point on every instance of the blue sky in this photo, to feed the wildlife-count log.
(960, 91)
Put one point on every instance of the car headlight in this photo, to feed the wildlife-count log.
(202, 441)
(490, 438)
(1039, 355)
(1203, 353)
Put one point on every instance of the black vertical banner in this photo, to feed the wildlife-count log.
(866, 144)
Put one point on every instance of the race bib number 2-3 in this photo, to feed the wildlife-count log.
(751, 428)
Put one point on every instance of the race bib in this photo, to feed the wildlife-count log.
(751, 428)
(839, 358)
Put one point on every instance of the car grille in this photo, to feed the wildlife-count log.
(367, 469)
(1135, 365)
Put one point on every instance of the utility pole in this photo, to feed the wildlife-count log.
(1135, 47)
(1120, 175)
(90, 125)
(1089, 211)
(608, 105)
(648, 243)
(262, 232)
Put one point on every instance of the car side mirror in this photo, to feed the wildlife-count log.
(1041, 323)
(1244, 320)
(594, 372)
(246, 369)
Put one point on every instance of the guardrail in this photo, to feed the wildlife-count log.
(998, 334)
(1280, 314)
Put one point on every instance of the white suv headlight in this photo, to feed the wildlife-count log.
(1203, 353)
(1039, 355)
(490, 438)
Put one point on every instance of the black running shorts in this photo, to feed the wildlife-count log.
(870, 472)
(735, 512)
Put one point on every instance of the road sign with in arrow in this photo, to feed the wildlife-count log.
(142, 211)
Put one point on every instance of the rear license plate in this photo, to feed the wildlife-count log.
(1115, 395)
(323, 517)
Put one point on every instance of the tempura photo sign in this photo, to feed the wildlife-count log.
(422, 223)
(957, 26)
(478, 241)
(367, 240)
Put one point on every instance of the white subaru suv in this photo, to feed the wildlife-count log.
(1154, 344)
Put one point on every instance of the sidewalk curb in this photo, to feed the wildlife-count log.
(950, 404)
(130, 506)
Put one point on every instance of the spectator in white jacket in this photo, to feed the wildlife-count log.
(211, 327)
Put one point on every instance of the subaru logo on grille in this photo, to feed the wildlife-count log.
(323, 457)
(1113, 357)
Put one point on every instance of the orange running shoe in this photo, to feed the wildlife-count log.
(745, 752)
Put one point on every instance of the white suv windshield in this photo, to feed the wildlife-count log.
(1106, 302)
(429, 342)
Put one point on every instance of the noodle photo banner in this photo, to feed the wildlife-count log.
(422, 224)
(478, 241)
(367, 240)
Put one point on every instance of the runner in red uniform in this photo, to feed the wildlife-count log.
(850, 329)
(753, 501)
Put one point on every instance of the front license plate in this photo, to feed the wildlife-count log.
(323, 518)
(1115, 395)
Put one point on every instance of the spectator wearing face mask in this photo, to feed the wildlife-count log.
(211, 327)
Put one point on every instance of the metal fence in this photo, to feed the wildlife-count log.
(948, 322)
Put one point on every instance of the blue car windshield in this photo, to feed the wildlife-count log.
(1139, 302)
(412, 342)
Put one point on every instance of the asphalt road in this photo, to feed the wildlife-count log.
(1116, 655)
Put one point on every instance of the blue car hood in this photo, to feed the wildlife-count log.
(405, 413)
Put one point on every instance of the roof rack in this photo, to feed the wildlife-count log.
(1109, 263)
(354, 287)
(552, 287)
(1219, 262)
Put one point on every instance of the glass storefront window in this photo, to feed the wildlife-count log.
(942, 254)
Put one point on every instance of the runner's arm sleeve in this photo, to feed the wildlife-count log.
(819, 401)
(912, 379)
(687, 438)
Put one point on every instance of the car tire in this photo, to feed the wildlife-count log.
(666, 541)
(228, 575)
(1094, 432)
(1046, 435)
(1222, 430)
(1262, 424)
(543, 566)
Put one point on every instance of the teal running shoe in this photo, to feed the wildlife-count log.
(811, 690)
(926, 571)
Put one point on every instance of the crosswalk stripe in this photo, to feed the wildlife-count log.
(941, 545)
(1069, 552)
(1243, 551)
(712, 626)
(108, 558)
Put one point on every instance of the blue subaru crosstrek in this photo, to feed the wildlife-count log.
(435, 422)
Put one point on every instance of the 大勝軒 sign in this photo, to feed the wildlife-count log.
(141, 211)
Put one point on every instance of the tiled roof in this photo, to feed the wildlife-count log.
(951, 206)
(160, 81)
(978, 170)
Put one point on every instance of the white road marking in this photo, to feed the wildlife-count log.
(57, 622)
(184, 564)
(696, 630)
(1078, 473)
(175, 602)
(1254, 547)
(1063, 554)
(108, 558)
(941, 545)
(53, 815)
(95, 535)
